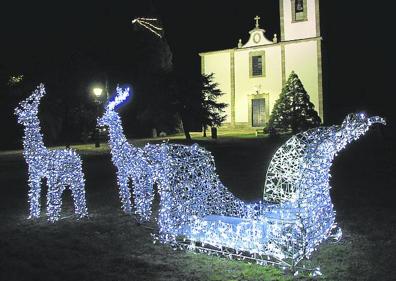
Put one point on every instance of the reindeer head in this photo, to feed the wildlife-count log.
(110, 116)
(27, 109)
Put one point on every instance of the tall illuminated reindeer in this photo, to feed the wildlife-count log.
(130, 161)
(61, 168)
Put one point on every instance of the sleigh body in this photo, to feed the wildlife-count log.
(297, 213)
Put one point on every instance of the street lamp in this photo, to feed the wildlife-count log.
(97, 91)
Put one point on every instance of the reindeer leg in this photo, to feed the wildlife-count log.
(143, 195)
(54, 200)
(148, 196)
(78, 192)
(125, 194)
(34, 197)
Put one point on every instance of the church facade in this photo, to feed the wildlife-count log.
(252, 75)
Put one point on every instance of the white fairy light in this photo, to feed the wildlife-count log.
(148, 23)
(61, 168)
(195, 207)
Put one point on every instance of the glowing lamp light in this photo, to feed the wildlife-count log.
(97, 91)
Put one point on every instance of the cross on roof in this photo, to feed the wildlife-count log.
(257, 19)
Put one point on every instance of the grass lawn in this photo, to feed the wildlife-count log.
(111, 246)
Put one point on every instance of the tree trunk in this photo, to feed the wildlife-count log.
(204, 131)
(187, 134)
(186, 129)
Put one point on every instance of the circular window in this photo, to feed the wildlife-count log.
(256, 38)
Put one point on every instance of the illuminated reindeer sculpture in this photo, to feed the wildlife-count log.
(131, 162)
(60, 168)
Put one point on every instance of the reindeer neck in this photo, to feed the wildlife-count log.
(118, 141)
(33, 141)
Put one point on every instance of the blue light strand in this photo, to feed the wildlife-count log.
(61, 168)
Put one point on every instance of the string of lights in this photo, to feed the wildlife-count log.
(61, 168)
(148, 24)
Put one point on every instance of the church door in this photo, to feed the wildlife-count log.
(258, 112)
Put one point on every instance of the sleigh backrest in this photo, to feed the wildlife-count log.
(299, 173)
(306, 159)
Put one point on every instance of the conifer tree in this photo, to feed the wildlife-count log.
(293, 110)
(213, 111)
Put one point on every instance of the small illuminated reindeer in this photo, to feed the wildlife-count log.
(130, 162)
(60, 168)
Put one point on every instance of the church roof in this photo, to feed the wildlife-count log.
(257, 37)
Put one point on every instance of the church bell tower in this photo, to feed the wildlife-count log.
(299, 19)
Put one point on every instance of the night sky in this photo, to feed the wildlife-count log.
(357, 55)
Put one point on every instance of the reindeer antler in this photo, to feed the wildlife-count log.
(376, 120)
(122, 94)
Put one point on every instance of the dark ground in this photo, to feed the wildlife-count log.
(110, 246)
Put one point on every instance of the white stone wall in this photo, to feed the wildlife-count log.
(245, 85)
(302, 57)
(219, 64)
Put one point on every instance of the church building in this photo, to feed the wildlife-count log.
(252, 75)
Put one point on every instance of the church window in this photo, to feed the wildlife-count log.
(299, 6)
(299, 10)
(257, 64)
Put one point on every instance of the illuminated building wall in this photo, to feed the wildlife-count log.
(223, 76)
(297, 49)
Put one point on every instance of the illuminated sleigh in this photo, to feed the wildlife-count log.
(198, 212)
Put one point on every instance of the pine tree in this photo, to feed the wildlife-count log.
(293, 110)
(212, 111)
(194, 100)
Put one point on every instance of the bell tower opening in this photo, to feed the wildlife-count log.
(299, 10)
(299, 19)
